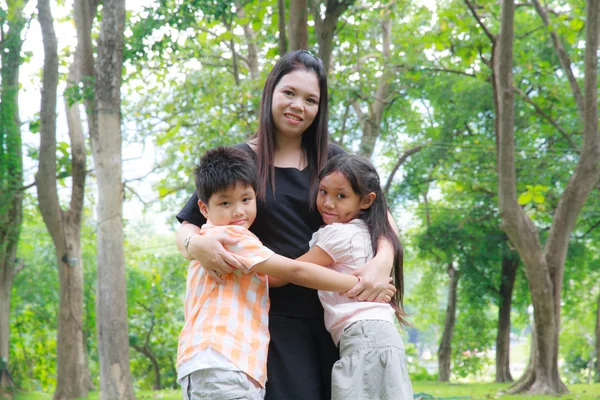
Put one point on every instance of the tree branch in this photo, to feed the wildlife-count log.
(563, 57)
(401, 160)
(480, 21)
(552, 122)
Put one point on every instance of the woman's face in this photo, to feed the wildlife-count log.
(295, 103)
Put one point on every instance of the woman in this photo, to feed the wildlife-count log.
(290, 148)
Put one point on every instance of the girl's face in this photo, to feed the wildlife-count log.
(295, 103)
(337, 202)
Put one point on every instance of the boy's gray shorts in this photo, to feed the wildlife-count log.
(220, 384)
(372, 364)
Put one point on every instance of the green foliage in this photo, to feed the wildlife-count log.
(156, 288)
(80, 92)
(189, 87)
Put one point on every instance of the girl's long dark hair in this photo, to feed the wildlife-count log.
(363, 179)
(314, 140)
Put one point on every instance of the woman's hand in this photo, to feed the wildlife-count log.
(213, 256)
(375, 277)
(372, 286)
(209, 251)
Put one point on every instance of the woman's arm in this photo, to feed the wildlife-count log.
(208, 250)
(306, 274)
(376, 273)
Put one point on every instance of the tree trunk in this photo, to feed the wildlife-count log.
(371, 123)
(325, 27)
(250, 36)
(445, 350)
(282, 39)
(509, 274)
(111, 296)
(544, 268)
(82, 71)
(11, 173)
(64, 227)
(298, 25)
(155, 365)
(597, 365)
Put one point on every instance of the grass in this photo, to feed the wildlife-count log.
(475, 391)
(493, 391)
(140, 395)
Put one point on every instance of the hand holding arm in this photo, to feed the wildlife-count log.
(375, 283)
(208, 250)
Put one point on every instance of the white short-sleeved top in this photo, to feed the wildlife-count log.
(349, 245)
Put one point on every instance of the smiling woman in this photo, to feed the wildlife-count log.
(295, 104)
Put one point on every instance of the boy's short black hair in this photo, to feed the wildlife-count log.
(221, 168)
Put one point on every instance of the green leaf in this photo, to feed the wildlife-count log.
(539, 198)
(525, 198)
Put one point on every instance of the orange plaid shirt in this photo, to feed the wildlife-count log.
(233, 318)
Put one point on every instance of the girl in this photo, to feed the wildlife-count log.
(354, 209)
(289, 148)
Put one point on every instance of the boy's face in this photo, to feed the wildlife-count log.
(235, 205)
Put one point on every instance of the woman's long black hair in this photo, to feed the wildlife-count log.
(314, 140)
(363, 179)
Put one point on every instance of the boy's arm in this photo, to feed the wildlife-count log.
(316, 255)
(306, 274)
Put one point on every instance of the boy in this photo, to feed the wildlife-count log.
(223, 345)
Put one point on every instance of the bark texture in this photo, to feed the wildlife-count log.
(325, 27)
(544, 265)
(111, 297)
(64, 226)
(509, 274)
(370, 121)
(297, 25)
(445, 350)
(597, 365)
(11, 174)
(282, 39)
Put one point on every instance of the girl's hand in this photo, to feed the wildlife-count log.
(213, 257)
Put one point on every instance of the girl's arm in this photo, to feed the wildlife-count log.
(208, 250)
(316, 255)
(376, 273)
(306, 274)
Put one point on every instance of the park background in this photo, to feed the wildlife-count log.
(425, 89)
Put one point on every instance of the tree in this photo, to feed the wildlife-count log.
(12, 23)
(544, 265)
(111, 297)
(510, 264)
(370, 121)
(325, 27)
(445, 350)
(297, 25)
(64, 226)
(597, 335)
